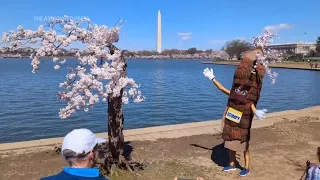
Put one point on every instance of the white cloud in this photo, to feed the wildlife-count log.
(278, 27)
(185, 36)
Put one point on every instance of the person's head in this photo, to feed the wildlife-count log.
(79, 146)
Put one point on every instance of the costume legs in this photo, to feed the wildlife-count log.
(232, 157)
(246, 156)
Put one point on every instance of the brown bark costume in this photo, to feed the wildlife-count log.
(246, 88)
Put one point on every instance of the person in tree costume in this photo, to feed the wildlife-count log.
(241, 108)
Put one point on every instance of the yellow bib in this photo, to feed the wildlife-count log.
(233, 115)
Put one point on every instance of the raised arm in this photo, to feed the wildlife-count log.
(220, 86)
(209, 74)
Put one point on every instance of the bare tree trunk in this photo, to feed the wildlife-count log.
(111, 154)
(115, 128)
(116, 120)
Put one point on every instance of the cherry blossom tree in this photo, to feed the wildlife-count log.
(99, 75)
(262, 41)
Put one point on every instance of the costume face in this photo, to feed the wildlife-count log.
(248, 77)
(239, 93)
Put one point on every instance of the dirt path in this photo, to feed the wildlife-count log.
(278, 152)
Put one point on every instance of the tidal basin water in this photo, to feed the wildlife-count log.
(176, 91)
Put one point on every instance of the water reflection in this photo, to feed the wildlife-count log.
(158, 84)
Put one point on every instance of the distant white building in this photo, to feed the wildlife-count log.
(295, 48)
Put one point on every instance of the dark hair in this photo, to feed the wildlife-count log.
(68, 153)
(72, 156)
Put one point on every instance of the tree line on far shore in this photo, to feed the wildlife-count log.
(234, 49)
(169, 52)
(231, 50)
(27, 51)
(318, 45)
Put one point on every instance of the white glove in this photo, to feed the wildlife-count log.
(260, 114)
(208, 73)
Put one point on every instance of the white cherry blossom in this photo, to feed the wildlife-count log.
(97, 74)
(263, 41)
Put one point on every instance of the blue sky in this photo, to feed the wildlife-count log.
(207, 23)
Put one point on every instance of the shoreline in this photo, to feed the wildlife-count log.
(280, 146)
(168, 131)
(128, 59)
(288, 65)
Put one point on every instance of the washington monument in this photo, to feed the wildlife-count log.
(159, 34)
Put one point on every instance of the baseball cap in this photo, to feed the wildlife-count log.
(81, 140)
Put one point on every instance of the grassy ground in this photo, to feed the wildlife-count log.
(278, 152)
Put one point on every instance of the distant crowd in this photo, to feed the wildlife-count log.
(313, 65)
